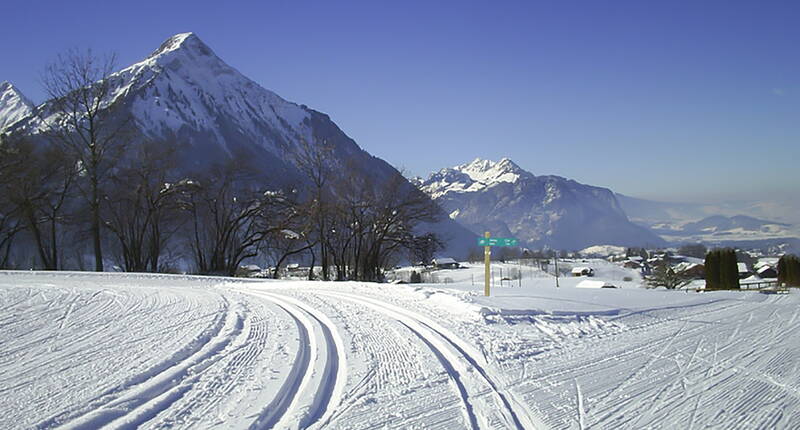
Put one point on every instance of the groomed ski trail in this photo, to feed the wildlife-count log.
(298, 404)
(456, 356)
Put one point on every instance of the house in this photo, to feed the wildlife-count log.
(632, 264)
(249, 271)
(767, 272)
(594, 284)
(743, 270)
(690, 270)
(582, 271)
(445, 263)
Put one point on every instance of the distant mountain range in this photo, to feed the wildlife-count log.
(643, 211)
(504, 199)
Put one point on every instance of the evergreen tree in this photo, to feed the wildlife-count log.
(729, 270)
(712, 270)
(721, 269)
(789, 270)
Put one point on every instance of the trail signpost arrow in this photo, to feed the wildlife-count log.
(487, 243)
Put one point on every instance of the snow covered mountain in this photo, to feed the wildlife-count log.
(502, 198)
(184, 95)
(13, 105)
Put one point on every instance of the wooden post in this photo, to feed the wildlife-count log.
(487, 254)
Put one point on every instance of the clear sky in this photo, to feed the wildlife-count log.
(671, 100)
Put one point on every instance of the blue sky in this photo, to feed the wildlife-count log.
(672, 100)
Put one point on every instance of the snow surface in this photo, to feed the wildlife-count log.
(83, 350)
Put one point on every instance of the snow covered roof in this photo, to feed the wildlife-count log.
(764, 268)
(594, 284)
(445, 260)
(742, 267)
(681, 267)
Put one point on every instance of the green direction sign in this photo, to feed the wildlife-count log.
(497, 241)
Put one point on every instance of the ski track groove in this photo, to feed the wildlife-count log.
(513, 413)
(142, 396)
(328, 394)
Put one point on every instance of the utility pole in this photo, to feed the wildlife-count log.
(555, 258)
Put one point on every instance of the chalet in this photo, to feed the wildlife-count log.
(743, 270)
(582, 271)
(445, 263)
(767, 272)
(594, 284)
(632, 264)
(249, 271)
(690, 270)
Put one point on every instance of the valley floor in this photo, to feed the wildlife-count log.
(83, 351)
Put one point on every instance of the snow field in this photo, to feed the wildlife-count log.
(155, 351)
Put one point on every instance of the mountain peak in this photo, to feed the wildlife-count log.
(182, 42)
(13, 105)
(490, 172)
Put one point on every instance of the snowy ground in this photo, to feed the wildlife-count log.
(120, 350)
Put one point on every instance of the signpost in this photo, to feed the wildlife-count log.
(487, 243)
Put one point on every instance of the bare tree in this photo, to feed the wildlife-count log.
(39, 188)
(665, 276)
(224, 212)
(313, 160)
(10, 223)
(375, 223)
(286, 230)
(80, 118)
(142, 211)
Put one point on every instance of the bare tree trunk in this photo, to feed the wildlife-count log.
(95, 208)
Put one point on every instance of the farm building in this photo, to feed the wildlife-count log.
(445, 263)
(743, 270)
(767, 272)
(582, 271)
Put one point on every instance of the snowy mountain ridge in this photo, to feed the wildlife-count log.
(185, 94)
(14, 106)
(472, 177)
(505, 199)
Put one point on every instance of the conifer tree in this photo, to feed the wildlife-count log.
(721, 269)
(789, 270)
(712, 270)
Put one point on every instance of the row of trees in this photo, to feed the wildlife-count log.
(86, 176)
(217, 219)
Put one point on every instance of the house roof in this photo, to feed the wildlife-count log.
(682, 267)
(742, 267)
(445, 260)
(764, 268)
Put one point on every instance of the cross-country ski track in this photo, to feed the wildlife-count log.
(86, 351)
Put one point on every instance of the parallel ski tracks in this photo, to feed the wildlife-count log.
(144, 396)
(466, 367)
(314, 386)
